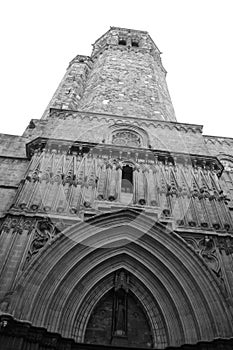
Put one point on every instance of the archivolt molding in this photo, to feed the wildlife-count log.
(90, 282)
(80, 319)
(58, 285)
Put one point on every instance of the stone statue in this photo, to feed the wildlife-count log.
(120, 313)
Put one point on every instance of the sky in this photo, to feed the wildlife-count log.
(40, 37)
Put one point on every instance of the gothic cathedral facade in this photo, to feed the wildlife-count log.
(116, 220)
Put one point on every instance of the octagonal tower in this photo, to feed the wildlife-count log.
(123, 76)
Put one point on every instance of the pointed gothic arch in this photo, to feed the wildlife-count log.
(119, 314)
(62, 285)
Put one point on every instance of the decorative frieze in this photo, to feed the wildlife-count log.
(17, 224)
(227, 141)
(130, 120)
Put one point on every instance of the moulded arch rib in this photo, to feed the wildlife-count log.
(57, 286)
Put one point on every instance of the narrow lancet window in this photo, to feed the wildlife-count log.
(127, 179)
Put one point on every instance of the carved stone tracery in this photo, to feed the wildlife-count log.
(17, 224)
(44, 231)
(126, 138)
(206, 248)
(225, 244)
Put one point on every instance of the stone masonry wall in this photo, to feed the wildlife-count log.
(13, 164)
(70, 90)
(11, 172)
(127, 83)
(88, 127)
(219, 145)
(12, 145)
(7, 196)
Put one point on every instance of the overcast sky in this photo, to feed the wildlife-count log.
(40, 37)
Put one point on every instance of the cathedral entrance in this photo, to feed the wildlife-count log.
(119, 319)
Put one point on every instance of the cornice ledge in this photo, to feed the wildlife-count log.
(80, 59)
(63, 114)
(218, 139)
(221, 233)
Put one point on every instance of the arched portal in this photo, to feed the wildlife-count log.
(119, 319)
(177, 292)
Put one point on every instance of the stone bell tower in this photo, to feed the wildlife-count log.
(123, 76)
(116, 220)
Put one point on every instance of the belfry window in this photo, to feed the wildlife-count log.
(122, 41)
(134, 43)
(127, 179)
